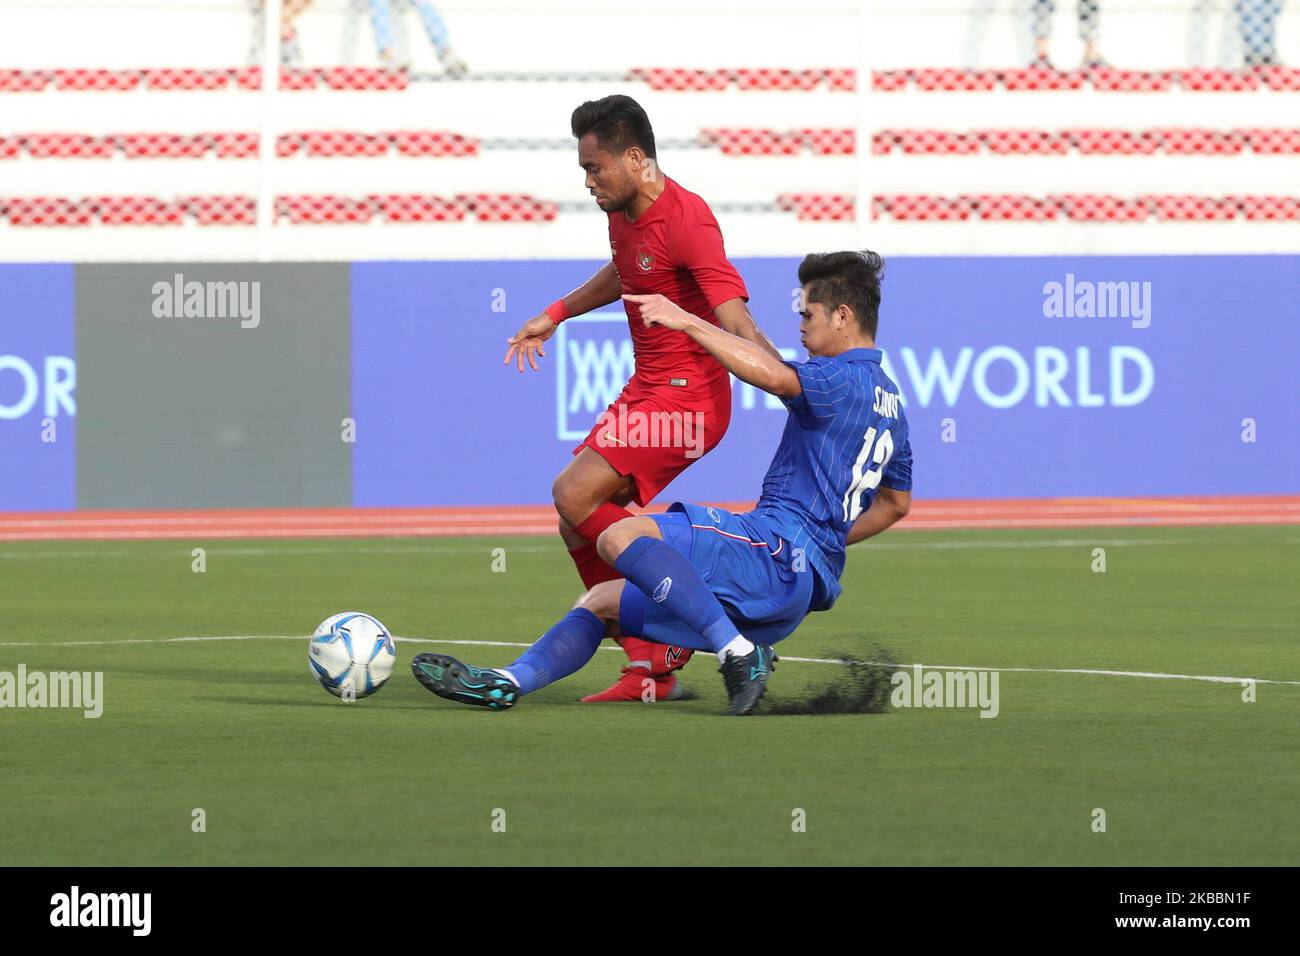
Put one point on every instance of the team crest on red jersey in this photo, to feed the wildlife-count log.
(644, 260)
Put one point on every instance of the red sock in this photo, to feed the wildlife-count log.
(600, 519)
(659, 659)
(591, 567)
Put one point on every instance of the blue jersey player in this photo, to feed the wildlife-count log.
(735, 584)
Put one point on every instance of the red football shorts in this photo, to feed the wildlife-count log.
(654, 433)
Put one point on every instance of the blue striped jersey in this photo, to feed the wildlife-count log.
(846, 435)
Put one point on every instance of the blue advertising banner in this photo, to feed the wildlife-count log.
(38, 381)
(1022, 377)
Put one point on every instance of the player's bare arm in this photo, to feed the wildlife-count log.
(887, 508)
(600, 290)
(734, 316)
(748, 362)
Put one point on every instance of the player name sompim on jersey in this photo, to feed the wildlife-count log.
(846, 436)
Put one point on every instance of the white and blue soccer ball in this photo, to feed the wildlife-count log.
(351, 655)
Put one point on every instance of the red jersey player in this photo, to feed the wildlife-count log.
(663, 239)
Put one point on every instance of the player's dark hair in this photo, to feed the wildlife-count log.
(619, 123)
(833, 279)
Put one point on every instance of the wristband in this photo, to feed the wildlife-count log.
(557, 311)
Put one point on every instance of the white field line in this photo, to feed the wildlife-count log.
(362, 549)
(1153, 675)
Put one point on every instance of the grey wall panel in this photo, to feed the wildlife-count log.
(239, 406)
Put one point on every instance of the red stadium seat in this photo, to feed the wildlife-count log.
(777, 79)
(1272, 140)
(1281, 78)
(677, 79)
(840, 80)
(233, 145)
(67, 146)
(160, 145)
(830, 142)
(1182, 208)
(507, 207)
(1184, 141)
(1031, 141)
(135, 210)
(321, 210)
(330, 143)
(1131, 81)
(10, 147)
(47, 211)
(914, 208)
(433, 143)
(1268, 208)
(24, 81)
(186, 79)
(1036, 78)
(1217, 80)
(96, 79)
(953, 79)
(817, 206)
(221, 210)
(1106, 141)
(1086, 207)
(882, 81)
(1006, 207)
(753, 142)
(364, 78)
(418, 208)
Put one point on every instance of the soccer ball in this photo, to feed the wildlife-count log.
(351, 655)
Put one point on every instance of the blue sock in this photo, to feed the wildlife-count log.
(561, 651)
(668, 578)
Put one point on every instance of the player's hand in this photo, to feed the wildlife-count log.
(658, 310)
(527, 342)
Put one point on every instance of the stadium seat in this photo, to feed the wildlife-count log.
(418, 208)
(10, 147)
(433, 143)
(1131, 81)
(830, 142)
(843, 80)
(24, 81)
(1011, 207)
(331, 143)
(102, 80)
(1087, 207)
(1281, 78)
(507, 207)
(1272, 140)
(777, 79)
(678, 79)
(364, 78)
(1269, 208)
(67, 146)
(135, 210)
(221, 210)
(1217, 80)
(1185, 141)
(919, 208)
(753, 142)
(47, 211)
(1031, 141)
(948, 80)
(817, 206)
(1187, 208)
(186, 79)
(160, 145)
(233, 145)
(1037, 79)
(324, 209)
(1108, 141)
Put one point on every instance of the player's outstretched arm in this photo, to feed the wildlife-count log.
(734, 316)
(748, 362)
(600, 290)
(888, 507)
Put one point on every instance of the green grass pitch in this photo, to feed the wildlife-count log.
(1186, 771)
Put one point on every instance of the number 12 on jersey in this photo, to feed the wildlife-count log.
(867, 476)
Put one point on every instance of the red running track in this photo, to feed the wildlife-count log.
(539, 519)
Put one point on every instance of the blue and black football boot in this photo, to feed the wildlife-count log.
(452, 680)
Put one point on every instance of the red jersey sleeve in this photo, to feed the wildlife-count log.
(699, 250)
